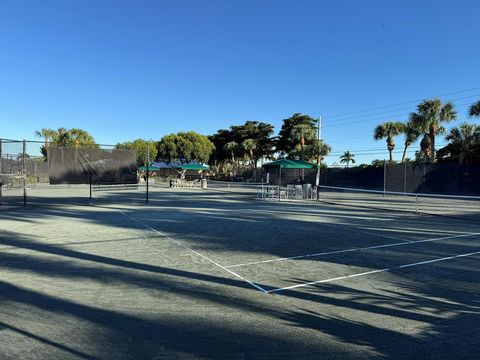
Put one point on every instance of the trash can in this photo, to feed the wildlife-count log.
(307, 191)
(204, 183)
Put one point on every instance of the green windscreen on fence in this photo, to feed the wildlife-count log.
(76, 165)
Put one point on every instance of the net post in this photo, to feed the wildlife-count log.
(384, 177)
(279, 181)
(317, 177)
(24, 173)
(90, 183)
(416, 204)
(148, 172)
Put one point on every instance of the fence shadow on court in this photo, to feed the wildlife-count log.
(340, 312)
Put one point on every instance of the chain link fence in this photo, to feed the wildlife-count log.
(25, 179)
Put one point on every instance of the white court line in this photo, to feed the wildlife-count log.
(381, 235)
(373, 272)
(353, 249)
(195, 252)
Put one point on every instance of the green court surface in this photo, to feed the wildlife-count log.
(215, 275)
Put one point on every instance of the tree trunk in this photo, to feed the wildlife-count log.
(425, 145)
(461, 160)
(391, 147)
(404, 153)
(433, 132)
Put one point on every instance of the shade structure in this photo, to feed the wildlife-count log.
(289, 164)
(179, 165)
(150, 168)
(193, 166)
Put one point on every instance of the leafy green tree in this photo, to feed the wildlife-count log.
(260, 132)
(220, 156)
(145, 149)
(475, 109)
(463, 146)
(428, 120)
(297, 132)
(185, 147)
(304, 135)
(317, 150)
(259, 145)
(388, 131)
(347, 158)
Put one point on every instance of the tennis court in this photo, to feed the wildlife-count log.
(219, 274)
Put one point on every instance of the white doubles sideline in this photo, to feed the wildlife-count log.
(372, 272)
(258, 287)
(403, 243)
(195, 252)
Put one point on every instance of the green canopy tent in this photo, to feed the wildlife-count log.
(149, 168)
(288, 164)
(193, 166)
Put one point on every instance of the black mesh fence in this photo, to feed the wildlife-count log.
(76, 165)
(438, 178)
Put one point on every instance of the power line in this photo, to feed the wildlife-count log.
(376, 119)
(404, 108)
(402, 103)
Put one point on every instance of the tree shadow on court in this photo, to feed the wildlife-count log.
(120, 334)
(376, 321)
(406, 320)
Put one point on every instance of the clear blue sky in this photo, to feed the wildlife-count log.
(128, 69)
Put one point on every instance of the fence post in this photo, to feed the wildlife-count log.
(416, 204)
(405, 177)
(148, 172)
(90, 182)
(24, 173)
(384, 177)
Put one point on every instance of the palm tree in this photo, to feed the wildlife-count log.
(80, 137)
(347, 158)
(428, 118)
(464, 138)
(249, 146)
(231, 147)
(302, 134)
(475, 109)
(47, 134)
(389, 130)
(411, 135)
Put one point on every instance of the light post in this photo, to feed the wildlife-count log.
(317, 179)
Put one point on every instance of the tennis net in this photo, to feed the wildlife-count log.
(249, 188)
(434, 204)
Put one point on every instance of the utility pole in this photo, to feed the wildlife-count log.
(317, 179)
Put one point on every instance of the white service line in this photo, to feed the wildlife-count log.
(258, 287)
(373, 272)
(353, 249)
